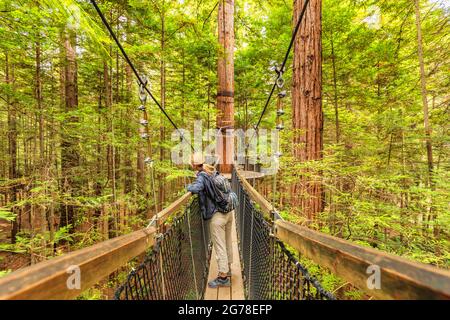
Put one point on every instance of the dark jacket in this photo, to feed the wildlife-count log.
(202, 186)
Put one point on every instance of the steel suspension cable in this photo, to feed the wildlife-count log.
(144, 84)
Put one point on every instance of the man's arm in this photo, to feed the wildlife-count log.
(197, 186)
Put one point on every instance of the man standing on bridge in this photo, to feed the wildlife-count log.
(214, 211)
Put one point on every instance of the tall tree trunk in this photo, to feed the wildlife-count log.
(423, 85)
(307, 104)
(225, 92)
(107, 77)
(39, 103)
(12, 144)
(163, 103)
(427, 126)
(99, 163)
(336, 102)
(128, 172)
(42, 159)
(107, 90)
(70, 154)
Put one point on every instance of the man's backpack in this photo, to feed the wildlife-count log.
(223, 196)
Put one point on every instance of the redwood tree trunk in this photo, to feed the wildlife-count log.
(225, 94)
(307, 104)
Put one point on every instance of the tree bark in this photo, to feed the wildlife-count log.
(107, 90)
(70, 154)
(110, 152)
(428, 131)
(128, 172)
(225, 92)
(307, 105)
(42, 159)
(12, 144)
(99, 163)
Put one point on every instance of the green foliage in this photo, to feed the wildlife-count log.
(4, 272)
(28, 243)
(92, 294)
(6, 247)
(7, 215)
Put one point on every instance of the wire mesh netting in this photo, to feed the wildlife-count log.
(177, 267)
(269, 270)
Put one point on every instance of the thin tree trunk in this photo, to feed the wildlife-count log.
(107, 76)
(70, 154)
(12, 144)
(427, 126)
(336, 102)
(163, 104)
(42, 160)
(98, 185)
(128, 172)
(423, 86)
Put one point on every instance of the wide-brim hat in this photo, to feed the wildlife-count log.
(197, 159)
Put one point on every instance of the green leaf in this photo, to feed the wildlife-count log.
(7, 215)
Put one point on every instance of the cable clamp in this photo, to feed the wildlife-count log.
(280, 81)
(142, 92)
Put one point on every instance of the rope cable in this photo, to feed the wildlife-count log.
(144, 84)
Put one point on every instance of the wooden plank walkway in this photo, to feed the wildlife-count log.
(236, 291)
(246, 174)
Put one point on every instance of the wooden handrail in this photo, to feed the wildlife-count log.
(174, 206)
(52, 279)
(265, 205)
(400, 278)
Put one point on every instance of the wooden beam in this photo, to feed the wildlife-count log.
(48, 279)
(400, 278)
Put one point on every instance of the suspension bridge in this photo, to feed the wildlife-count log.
(175, 258)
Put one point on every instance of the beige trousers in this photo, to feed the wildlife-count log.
(220, 228)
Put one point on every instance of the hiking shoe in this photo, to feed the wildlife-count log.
(218, 282)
